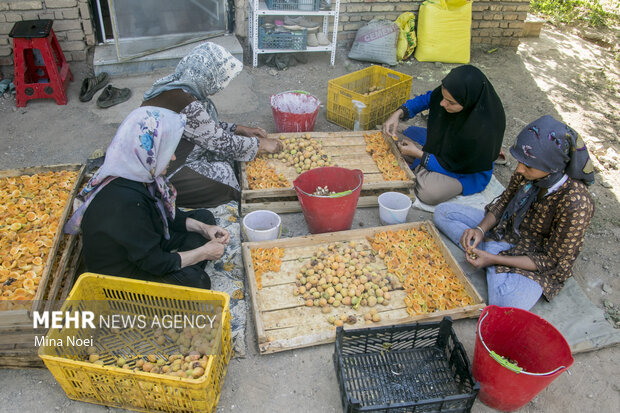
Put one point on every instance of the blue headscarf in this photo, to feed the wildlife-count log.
(549, 146)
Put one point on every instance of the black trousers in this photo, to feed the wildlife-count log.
(192, 275)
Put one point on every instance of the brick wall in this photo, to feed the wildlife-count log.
(494, 22)
(72, 25)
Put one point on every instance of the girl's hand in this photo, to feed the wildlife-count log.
(407, 148)
(479, 258)
(471, 238)
(390, 125)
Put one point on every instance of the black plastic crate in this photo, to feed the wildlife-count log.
(305, 5)
(419, 367)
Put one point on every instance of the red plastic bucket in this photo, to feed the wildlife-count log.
(294, 111)
(329, 213)
(533, 343)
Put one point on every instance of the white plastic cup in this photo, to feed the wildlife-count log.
(393, 208)
(262, 225)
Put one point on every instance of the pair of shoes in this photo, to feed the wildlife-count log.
(113, 96)
(91, 85)
(300, 21)
(322, 39)
(312, 40)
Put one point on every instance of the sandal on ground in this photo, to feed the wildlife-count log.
(113, 96)
(501, 159)
(91, 85)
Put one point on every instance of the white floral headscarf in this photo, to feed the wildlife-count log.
(140, 151)
(206, 70)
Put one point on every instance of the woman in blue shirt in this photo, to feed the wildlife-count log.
(466, 123)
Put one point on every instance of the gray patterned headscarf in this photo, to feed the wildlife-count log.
(206, 70)
(550, 146)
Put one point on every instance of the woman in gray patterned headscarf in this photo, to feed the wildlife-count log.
(203, 173)
(529, 237)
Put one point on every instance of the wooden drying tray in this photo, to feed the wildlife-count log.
(283, 322)
(348, 150)
(16, 327)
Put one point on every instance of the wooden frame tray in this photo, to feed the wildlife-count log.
(348, 150)
(17, 347)
(283, 322)
(16, 327)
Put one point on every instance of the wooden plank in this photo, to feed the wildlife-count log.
(309, 334)
(31, 170)
(61, 272)
(286, 323)
(70, 276)
(21, 337)
(251, 276)
(19, 359)
(347, 149)
(288, 206)
(317, 135)
(372, 182)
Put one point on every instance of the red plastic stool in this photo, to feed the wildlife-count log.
(38, 34)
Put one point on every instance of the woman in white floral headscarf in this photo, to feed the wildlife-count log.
(129, 220)
(203, 172)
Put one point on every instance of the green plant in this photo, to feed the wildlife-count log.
(595, 13)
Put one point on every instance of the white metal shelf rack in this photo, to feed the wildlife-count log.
(259, 8)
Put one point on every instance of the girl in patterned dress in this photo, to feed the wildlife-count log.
(204, 171)
(529, 237)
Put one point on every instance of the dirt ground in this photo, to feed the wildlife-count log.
(570, 74)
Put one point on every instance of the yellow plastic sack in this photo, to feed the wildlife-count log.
(444, 31)
(406, 38)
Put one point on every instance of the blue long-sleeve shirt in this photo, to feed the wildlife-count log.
(471, 183)
(416, 105)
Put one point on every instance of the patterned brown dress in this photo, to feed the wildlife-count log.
(551, 233)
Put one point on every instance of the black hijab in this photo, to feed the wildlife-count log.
(468, 141)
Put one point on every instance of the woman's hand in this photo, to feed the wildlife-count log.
(408, 148)
(268, 145)
(391, 124)
(210, 232)
(212, 250)
(471, 238)
(479, 258)
(249, 131)
(218, 234)
(258, 132)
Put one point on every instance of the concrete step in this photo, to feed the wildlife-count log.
(106, 60)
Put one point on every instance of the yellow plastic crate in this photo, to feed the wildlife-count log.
(137, 390)
(382, 90)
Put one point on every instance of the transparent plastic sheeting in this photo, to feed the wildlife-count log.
(148, 26)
